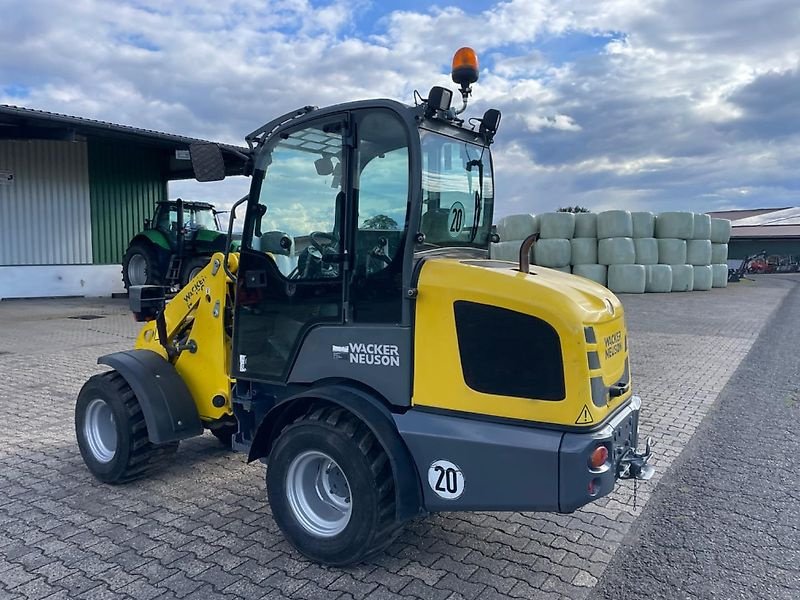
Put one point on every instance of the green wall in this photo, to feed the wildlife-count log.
(125, 182)
(742, 248)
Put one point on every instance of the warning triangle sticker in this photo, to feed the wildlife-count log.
(585, 416)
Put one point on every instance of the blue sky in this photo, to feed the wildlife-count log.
(639, 104)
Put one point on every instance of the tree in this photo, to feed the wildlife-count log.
(380, 222)
(573, 209)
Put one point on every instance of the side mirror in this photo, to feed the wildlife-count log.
(207, 162)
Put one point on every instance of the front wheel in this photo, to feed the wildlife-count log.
(112, 433)
(331, 488)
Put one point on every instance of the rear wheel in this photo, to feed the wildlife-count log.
(331, 488)
(140, 266)
(111, 431)
(191, 267)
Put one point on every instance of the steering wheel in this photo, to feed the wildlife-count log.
(323, 241)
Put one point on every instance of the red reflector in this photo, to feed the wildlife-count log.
(594, 486)
(598, 457)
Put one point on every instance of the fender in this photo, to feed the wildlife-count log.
(168, 408)
(374, 414)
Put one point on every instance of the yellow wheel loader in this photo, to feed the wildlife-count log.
(363, 344)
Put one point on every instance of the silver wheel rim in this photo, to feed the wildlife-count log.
(193, 273)
(137, 270)
(100, 430)
(318, 494)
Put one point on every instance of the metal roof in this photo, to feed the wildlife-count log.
(17, 122)
(742, 213)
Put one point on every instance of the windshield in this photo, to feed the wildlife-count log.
(200, 219)
(457, 192)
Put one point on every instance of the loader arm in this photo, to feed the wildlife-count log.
(198, 326)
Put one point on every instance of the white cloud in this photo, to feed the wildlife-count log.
(630, 102)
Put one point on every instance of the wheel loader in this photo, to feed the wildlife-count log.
(366, 348)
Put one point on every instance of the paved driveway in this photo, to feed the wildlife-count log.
(202, 529)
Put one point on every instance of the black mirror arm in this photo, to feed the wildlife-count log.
(229, 239)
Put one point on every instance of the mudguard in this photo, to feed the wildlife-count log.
(373, 413)
(168, 408)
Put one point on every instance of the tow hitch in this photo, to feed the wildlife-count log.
(633, 465)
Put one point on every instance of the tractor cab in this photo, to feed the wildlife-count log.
(193, 218)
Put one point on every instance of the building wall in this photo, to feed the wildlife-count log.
(125, 183)
(742, 248)
(45, 209)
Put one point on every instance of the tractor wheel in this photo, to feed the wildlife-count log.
(111, 431)
(140, 266)
(331, 488)
(192, 267)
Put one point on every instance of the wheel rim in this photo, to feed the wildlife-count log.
(100, 430)
(318, 494)
(193, 273)
(137, 270)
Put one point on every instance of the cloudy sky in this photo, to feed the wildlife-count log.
(641, 104)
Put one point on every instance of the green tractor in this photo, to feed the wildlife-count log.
(174, 245)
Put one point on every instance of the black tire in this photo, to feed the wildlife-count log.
(133, 455)
(191, 267)
(146, 252)
(363, 461)
(225, 434)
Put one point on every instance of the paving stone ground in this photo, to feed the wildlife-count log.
(201, 528)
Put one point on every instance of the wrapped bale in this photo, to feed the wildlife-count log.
(719, 254)
(627, 279)
(646, 251)
(614, 224)
(678, 225)
(585, 225)
(517, 227)
(702, 227)
(671, 251)
(552, 253)
(644, 224)
(505, 251)
(596, 273)
(698, 252)
(658, 279)
(719, 276)
(720, 231)
(703, 278)
(682, 278)
(616, 251)
(560, 225)
(584, 251)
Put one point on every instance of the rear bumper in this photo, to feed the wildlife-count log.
(509, 467)
(619, 435)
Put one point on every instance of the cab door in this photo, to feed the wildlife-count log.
(291, 268)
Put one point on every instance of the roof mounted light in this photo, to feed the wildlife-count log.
(439, 99)
(465, 73)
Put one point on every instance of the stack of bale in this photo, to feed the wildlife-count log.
(617, 251)
(512, 230)
(720, 236)
(584, 249)
(554, 247)
(628, 252)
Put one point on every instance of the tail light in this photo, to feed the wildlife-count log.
(598, 457)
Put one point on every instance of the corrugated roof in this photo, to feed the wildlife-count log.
(17, 122)
(742, 213)
(786, 216)
(15, 115)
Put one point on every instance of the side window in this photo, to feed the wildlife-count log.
(381, 221)
(301, 202)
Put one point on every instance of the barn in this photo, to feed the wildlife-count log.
(73, 191)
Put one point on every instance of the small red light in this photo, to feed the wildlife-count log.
(598, 457)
